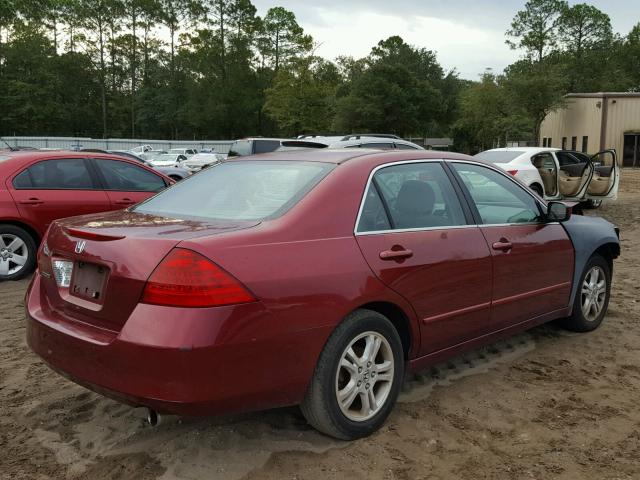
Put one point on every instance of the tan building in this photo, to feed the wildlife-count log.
(591, 122)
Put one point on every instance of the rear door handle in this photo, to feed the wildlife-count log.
(31, 201)
(503, 245)
(396, 254)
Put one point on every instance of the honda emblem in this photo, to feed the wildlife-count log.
(80, 246)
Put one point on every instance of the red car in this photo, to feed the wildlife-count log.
(37, 187)
(309, 277)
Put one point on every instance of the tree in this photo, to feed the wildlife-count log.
(537, 87)
(302, 98)
(534, 29)
(282, 38)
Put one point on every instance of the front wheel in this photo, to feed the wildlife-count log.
(357, 379)
(592, 298)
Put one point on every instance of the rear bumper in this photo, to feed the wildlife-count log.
(184, 362)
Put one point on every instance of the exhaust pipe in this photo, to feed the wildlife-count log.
(153, 418)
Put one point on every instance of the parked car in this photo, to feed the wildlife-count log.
(315, 277)
(251, 146)
(187, 152)
(141, 150)
(175, 172)
(561, 174)
(167, 159)
(38, 187)
(381, 143)
(202, 160)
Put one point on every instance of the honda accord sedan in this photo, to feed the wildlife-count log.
(313, 277)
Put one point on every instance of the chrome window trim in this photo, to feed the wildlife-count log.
(540, 202)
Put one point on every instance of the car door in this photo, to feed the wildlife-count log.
(126, 183)
(419, 239)
(532, 259)
(57, 188)
(575, 171)
(606, 176)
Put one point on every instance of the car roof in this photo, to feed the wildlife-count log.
(342, 155)
(522, 149)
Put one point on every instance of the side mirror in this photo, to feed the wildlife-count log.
(558, 212)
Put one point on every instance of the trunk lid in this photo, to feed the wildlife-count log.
(113, 255)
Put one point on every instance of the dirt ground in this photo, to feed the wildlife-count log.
(546, 404)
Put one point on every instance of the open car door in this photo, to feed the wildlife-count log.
(575, 171)
(606, 176)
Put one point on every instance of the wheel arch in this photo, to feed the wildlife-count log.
(609, 251)
(398, 318)
(26, 227)
(537, 184)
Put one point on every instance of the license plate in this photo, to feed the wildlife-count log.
(62, 270)
(88, 281)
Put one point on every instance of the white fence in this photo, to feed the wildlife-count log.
(77, 143)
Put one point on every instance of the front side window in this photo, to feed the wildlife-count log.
(416, 196)
(125, 177)
(498, 199)
(58, 174)
(238, 190)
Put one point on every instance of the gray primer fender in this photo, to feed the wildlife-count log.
(587, 235)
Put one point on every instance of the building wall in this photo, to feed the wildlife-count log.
(624, 117)
(580, 117)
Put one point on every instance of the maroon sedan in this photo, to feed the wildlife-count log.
(309, 277)
(37, 187)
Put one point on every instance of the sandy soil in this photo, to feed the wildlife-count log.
(546, 404)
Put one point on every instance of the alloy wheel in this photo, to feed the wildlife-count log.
(593, 293)
(13, 254)
(365, 376)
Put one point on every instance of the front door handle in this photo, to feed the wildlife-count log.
(396, 254)
(503, 245)
(32, 201)
(125, 201)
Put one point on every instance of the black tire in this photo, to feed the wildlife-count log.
(538, 189)
(30, 249)
(320, 404)
(578, 322)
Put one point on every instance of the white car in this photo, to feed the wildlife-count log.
(202, 160)
(560, 174)
(379, 143)
(166, 160)
(187, 152)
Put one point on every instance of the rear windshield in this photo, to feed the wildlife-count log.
(238, 191)
(241, 148)
(500, 156)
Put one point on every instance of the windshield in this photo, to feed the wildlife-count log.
(238, 191)
(499, 156)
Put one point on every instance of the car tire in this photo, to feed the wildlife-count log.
(16, 242)
(592, 298)
(367, 383)
(538, 189)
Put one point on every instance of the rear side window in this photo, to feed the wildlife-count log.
(58, 174)
(404, 146)
(266, 146)
(125, 177)
(416, 195)
(238, 190)
(241, 148)
(382, 146)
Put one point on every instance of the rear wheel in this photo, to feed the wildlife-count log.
(17, 253)
(592, 299)
(357, 379)
(538, 189)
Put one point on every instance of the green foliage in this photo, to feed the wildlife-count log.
(535, 28)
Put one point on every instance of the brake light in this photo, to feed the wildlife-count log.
(185, 278)
(512, 172)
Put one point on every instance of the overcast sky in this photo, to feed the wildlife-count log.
(467, 35)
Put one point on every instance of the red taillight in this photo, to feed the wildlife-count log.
(185, 278)
(512, 172)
